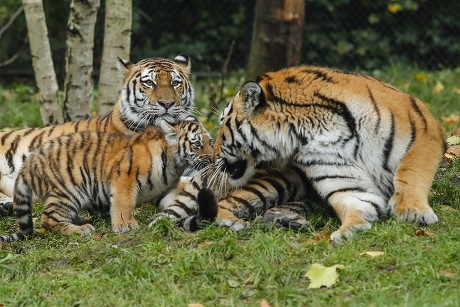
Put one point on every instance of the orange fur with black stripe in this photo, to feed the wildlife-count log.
(105, 172)
(367, 148)
(153, 89)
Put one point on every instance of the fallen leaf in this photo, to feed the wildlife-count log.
(438, 88)
(319, 236)
(321, 276)
(264, 303)
(204, 244)
(451, 119)
(195, 305)
(452, 152)
(455, 132)
(233, 283)
(423, 232)
(99, 236)
(447, 274)
(447, 209)
(453, 140)
(373, 254)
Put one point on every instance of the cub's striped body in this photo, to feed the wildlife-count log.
(269, 192)
(105, 171)
(367, 147)
(153, 89)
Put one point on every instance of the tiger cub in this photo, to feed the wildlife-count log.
(153, 89)
(361, 145)
(105, 171)
(367, 148)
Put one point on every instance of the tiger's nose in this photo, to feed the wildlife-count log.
(166, 104)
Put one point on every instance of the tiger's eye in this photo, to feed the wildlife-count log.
(175, 83)
(149, 83)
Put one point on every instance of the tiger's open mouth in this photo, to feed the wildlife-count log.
(236, 169)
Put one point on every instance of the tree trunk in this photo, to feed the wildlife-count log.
(42, 61)
(117, 43)
(78, 85)
(276, 37)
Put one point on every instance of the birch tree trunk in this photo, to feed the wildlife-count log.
(42, 62)
(276, 37)
(117, 43)
(78, 85)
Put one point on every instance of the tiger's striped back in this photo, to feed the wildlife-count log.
(105, 172)
(153, 89)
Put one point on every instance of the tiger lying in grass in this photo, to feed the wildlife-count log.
(153, 89)
(366, 148)
(105, 171)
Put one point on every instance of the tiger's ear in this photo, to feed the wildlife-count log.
(169, 131)
(253, 97)
(184, 61)
(123, 66)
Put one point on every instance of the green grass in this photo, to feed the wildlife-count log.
(162, 266)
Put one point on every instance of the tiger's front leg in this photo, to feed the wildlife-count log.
(122, 205)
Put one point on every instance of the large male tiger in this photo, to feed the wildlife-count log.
(105, 171)
(153, 89)
(366, 147)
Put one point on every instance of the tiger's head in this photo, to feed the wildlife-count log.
(191, 142)
(247, 135)
(155, 89)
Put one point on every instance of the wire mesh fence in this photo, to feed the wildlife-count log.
(348, 34)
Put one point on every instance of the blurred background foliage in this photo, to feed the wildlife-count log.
(348, 34)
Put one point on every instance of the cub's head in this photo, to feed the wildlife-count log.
(155, 89)
(242, 141)
(192, 143)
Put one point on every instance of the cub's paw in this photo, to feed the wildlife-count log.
(125, 226)
(234, 224)
(86, 229)
(412, 211)
(286, 216)
(162, 216)
(6, 208)
(68, 229)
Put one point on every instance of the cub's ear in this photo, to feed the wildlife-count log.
(169, 131)
(123, 66)
(253, 97)
(185, 62)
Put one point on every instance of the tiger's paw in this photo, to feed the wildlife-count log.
(6, 208)
(348, 231)
(415, 211)
(162, 216)
(227, 219)
(286, 217)
(234, 224)
(125, 226)
(68, 229)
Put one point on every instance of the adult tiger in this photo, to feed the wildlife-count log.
(366, 147)
(153, 89)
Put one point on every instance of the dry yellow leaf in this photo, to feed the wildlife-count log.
(264, 303)
(195, 305)
(438, 88)
(373, 254)
(423, 232)
(452, 152)
(321, 276)
(447, 274)
(204, 244)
